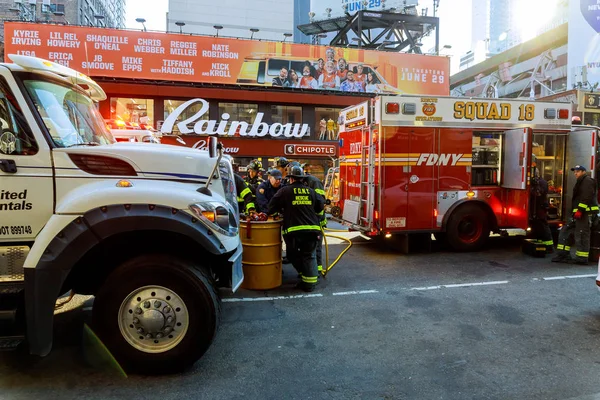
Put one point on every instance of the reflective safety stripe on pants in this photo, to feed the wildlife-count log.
(309, 279)
(577, 231)
(300, 248)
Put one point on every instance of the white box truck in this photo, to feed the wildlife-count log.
(150, 230)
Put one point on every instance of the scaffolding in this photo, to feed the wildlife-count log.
(377, 30)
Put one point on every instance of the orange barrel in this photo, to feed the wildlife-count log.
(261, 258)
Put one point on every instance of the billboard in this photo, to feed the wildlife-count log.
(584, 43)
(204, 59)
(338, 8)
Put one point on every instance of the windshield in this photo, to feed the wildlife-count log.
(70, 116)
(226, 175)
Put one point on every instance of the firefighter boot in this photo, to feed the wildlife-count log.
(562, 258)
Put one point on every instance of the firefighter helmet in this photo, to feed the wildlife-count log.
(280, 162)
(255, 165)
(296, 172)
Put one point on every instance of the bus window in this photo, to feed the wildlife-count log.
(261, 72)
(276, 65)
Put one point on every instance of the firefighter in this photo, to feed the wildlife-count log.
(252, 178)
(578, 228)
(245, 197)
(281, 164)
(267, 190)
(300, 206)
(539, 201)
(315, 184)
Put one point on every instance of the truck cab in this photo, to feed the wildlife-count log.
(150, 230)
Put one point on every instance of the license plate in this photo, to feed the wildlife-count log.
(237, 272)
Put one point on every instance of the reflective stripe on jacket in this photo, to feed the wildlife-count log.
(584, 194)
(300, 206)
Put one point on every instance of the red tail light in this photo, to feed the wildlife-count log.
(392, 108)
(101, 165)
(563, 113)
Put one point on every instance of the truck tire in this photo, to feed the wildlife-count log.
(468, 228)
(157, 314)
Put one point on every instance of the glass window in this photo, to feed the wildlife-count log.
(133, 111)
(276, 65)
(239, 111)
(286, 114)
(486, 163)
(591, 118)
(171, 105)
(15, 138)
(70, 116)
(326, 122)
(548, 155)
(316, 168)
(261, 72)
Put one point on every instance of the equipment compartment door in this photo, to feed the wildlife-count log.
(420, 179)
(582, 145)
(517, 153)
(394, 177)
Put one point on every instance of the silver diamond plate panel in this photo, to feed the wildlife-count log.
(12, 260)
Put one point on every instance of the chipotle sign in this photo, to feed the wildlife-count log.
(244, 147)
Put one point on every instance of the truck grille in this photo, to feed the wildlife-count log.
(12, 260)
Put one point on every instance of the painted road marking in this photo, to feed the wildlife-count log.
(354, 292)
(373, 291)
(457, 285)
(555, 278)
(299, 296)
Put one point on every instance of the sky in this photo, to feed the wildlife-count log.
(455, 24)
(153, 11)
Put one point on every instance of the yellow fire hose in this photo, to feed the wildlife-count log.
(325, 236)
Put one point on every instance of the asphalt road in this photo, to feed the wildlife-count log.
(489, 325)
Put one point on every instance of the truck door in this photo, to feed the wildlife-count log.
(420, 179)
(517, 152)
(26, 188)
(582, 147)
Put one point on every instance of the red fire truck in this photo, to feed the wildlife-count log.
(456, 167)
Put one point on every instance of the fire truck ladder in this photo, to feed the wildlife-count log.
(367, 180)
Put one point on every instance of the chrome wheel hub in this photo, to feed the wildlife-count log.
(153, 319)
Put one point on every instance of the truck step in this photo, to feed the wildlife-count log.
(8, 343)
(11, 287)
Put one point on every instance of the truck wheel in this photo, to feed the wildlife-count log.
(468, 228)
(157, 314)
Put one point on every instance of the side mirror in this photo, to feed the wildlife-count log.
(212, 146)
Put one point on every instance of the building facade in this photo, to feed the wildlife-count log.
(271, 18)
(301, 17)
(478, 34)
(536, 68)
(108, 13)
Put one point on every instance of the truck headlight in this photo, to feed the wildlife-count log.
(216, 216)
